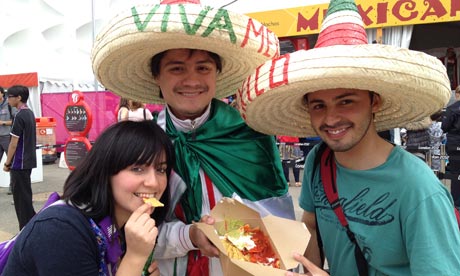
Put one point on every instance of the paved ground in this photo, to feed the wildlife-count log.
(53, 180)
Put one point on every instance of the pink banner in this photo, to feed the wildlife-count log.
(102, 104)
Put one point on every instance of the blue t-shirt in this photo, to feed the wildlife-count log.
(400, 213)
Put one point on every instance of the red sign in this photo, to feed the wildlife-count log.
(78, 121)
(77, 116)
(76, 149)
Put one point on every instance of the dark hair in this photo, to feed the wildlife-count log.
(19, 90)
(123, 103)
(135, 105)
(2, 90)
(437, 116)
(119, 146)
(156, 61)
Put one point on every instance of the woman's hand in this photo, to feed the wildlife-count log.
(141, 233)
(313, 270)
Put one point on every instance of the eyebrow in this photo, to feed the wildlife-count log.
(178, 62)
(339, 97)
(161, 163)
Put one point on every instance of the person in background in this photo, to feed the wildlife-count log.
(290, 152)
(451, 63)
(417, 133)
(6, 120)
(102, 217)
(451, 126)
(218, 155)
(381, 189)
(311, 141)
(138, 112)
(21, 157)
(123, 110)
(436, 139)
(416, 139)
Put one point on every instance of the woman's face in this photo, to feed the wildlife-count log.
(134, 183)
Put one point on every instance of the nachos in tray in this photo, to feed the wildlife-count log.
(243, 242)
(262, 246)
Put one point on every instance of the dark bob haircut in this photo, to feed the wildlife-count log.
(121, 145)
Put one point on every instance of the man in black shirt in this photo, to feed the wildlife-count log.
(21, 158)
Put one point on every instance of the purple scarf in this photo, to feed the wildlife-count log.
(108, 241)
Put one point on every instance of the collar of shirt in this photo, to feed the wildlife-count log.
(187, 124)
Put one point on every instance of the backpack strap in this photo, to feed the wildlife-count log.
(11, 112)
(328, 178)
(145, 115)
(328, 171)
(457, 215)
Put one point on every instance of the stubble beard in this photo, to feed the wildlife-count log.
(343, 146)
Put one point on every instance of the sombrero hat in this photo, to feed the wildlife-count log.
(423, 124)
(123, 49)
(412, 85)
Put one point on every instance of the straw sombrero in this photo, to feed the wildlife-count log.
(123, 49)
(412, 85)
(419, 125)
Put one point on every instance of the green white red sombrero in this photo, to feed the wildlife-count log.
(123, 49)
(413, 85)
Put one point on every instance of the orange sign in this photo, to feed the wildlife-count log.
(375, 13)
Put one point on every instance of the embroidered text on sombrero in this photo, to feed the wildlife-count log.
(220, 21)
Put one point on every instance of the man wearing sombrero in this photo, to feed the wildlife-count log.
(390, 214)
(188, 57)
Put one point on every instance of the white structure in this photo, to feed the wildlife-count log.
(54, 37)
(35, 176)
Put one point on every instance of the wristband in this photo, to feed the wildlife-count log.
(7, 165)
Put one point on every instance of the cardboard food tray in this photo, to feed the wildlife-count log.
(286, 237)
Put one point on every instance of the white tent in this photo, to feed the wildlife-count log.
(54, 37)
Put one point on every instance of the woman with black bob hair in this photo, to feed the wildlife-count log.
(109, 229)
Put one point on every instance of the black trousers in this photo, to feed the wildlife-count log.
(21, 186)
(290, 164)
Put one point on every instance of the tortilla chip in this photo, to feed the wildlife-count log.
(233, 252)
(153, 202)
